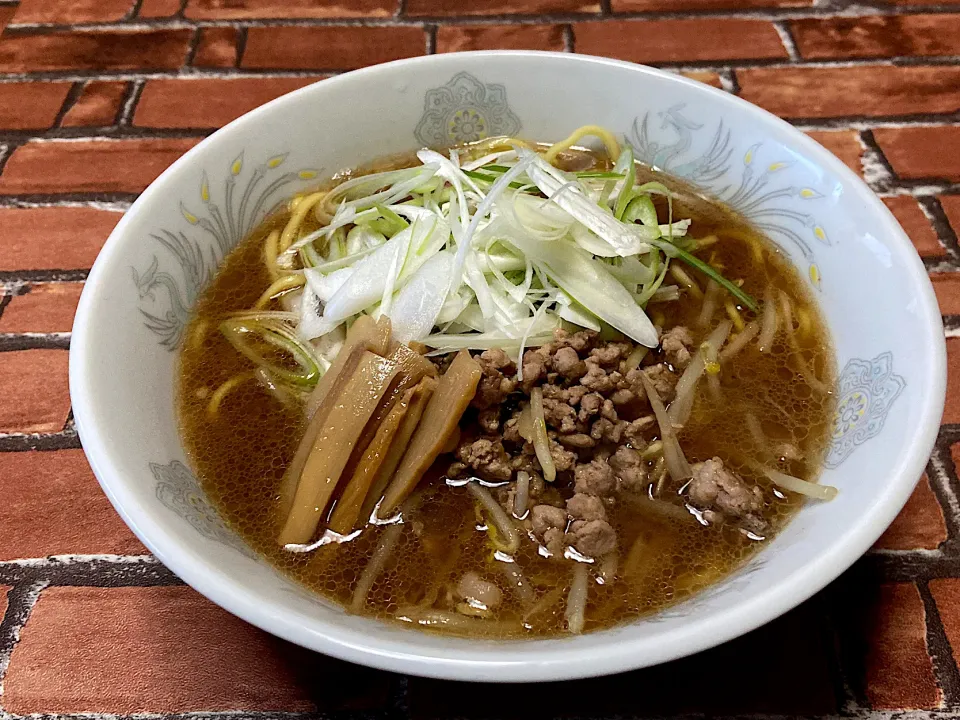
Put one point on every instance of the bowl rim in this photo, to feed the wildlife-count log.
(553, 661)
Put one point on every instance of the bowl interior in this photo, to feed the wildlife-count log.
(869, 281)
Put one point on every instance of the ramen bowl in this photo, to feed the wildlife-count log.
(872, 288)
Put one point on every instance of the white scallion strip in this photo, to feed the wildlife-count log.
(420, 301)
(590, 284)
(625, 239)
(326, 285)
(482, 341)
(795, 484)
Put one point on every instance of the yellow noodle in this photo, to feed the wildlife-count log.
(734, 314)
(609, 142)
(278, 287)
(271, 249)
(289, 234)
(213, 407)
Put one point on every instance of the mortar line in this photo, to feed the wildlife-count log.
(944, 482)
(933, 209)
(192, 48)
(73, 95)
(403, 17)
(241, 45)
(938, 648)
(21, 599)
(128, 106)
(789, 43)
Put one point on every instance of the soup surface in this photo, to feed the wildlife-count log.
(770, 407)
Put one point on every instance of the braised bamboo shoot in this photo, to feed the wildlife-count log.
(342, 425)
(454, 392)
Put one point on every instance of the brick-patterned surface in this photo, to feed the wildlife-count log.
(99, 96)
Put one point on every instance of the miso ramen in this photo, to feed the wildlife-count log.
(507, 389)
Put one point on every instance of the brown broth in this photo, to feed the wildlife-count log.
(240, 457)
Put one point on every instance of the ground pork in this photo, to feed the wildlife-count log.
(663, 380)
(628, 466)
(497, 380)
(676, 344)
(560, 415)
(586, 507)
(567, 364)
(592, 537)
(487, 457)
(548, 524)
(725, 496)
(595, 478)
(581, 341)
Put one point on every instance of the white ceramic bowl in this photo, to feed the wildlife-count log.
(865, 273)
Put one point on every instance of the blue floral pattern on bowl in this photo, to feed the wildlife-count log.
(772, 199)
(866, 390)
(179, 491)
(465, 110)
(246, 199)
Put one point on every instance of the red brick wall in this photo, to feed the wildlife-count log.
(92, 624)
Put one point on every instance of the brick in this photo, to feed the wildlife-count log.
(4, 590)
(329, 48)
(792, 680)
(264, 9)
(44, 308)
(844, 144)
(167, 650)
(677, 5)
(922, 152)
(946, 595)
(947, 288)
(75, 11)
(454, 38)
(705, 76)
(687, 40)
(98, 105)
(33, 384)
(217, 48)
(30, 106)
(207, 103)
(951, 207)
(951, 410)
(54, 501)
(71, 237)
(159, 8)
(6, 15)
(878, 36)
(440, 8)
(898, 671)
(908, 213)
(124, 166)
(104, 50)
(919, 526)
(868, 90)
